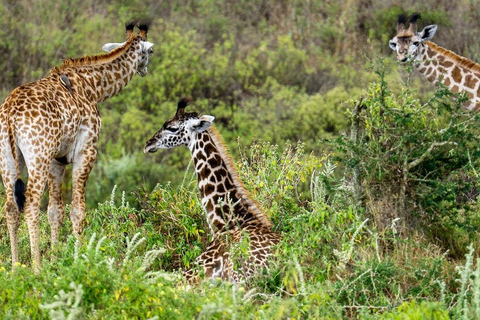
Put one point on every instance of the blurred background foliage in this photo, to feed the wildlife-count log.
(273, 70)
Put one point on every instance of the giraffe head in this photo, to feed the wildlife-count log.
(143, 47)
(408, 41)
(180, 130)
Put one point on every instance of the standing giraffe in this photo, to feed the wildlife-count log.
(434, 62)
(52, 122)
(232, 216)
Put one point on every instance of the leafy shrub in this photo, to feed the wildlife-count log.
(179, 221)
(418, 311)
(85, 280)
(408, 158)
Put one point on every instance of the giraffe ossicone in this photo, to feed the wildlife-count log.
(437, 64)
(233, 217)
(55, 121)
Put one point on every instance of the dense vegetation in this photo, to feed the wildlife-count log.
(369, 173)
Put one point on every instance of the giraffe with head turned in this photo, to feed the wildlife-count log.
(232, 215)
(434, 62)
(52, 122)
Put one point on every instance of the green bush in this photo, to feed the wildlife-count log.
(331, 262)
(408, 158)
(418, 311)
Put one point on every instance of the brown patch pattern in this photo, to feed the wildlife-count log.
(47, 124)
(230, 211)
(456, 72)
(455, 58)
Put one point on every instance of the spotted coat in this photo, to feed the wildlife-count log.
(233, 217)
(55, 121)
(436, 63)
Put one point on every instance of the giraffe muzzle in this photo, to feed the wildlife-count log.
(142, 72)
(150, 148)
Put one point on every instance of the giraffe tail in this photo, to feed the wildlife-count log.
(20, 187)
(19, 193)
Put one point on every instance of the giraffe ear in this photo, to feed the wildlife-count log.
(428, 32)
(392, 45)
(111, 46)
(202, 124)
(147, 46)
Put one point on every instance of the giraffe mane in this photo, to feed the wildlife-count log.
(459, 60)
(99, 58)
(252, 204)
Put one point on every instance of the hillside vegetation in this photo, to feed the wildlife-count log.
(369, 172)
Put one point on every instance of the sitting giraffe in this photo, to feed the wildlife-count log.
(434, 62)
(52, 122)
(232, 216)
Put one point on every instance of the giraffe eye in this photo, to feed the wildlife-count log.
(171, 129)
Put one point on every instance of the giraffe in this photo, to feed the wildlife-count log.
(232, 215)
(436, 63)
(54, 121)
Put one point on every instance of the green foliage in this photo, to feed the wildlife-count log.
(466, 302)
(85, 280)
(278, 179)
(418, 311)
(331, 262)
(179, 222)
(411, 156)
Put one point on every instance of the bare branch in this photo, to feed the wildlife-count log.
(427, 153)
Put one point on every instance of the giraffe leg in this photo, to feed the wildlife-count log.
(82, 166)
(13, 221)
(9, 177)
(200, 269)
(37, 177)
(56, 208)
(215, 263)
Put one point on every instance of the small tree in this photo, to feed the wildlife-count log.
(411, 163)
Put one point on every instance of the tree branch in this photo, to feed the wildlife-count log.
(427, 153)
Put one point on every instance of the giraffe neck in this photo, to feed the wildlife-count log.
(105, 77)
(111, 78)
(225, 199)
(455, 72)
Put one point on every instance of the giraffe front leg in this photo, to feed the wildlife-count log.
(56, 208)
(82, 166)
(212, 264)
